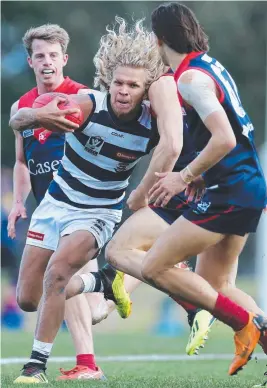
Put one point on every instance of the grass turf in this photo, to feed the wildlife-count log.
(149, 374)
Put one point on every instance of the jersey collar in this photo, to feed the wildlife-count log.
(185, 62)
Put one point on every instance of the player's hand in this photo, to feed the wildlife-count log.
(196, 189)
(52, 118)
(137, 199)
(169, 184)
(18, 211)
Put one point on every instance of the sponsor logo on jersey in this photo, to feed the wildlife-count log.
(94, 144)
(123, 155)
(35, 235)
(27, 133)
(113, 133)
(42, 168)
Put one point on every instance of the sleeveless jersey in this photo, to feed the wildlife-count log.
(43, 150)
(101, 156)
(238, 178)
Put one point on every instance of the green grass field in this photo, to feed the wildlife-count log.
(147, 374)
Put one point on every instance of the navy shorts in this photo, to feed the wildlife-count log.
(175, 208)
(225, 219)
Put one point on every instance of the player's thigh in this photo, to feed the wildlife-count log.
(42, 241)
(219, 263)
(32, 268)
(182, 240)
(139, 231)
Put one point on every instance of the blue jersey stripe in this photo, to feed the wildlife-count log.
(113, 151)
(99, 159)
(77, 185)
(93, 170)
(57, 193)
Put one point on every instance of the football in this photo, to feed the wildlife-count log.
(44, 99)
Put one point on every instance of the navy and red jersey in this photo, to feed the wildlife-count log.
(43, 150)
(238, 178)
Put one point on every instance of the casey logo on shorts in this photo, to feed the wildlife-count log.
(35, 235)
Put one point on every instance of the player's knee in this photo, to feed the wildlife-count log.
(149, 273)
(223, 286)
(55, 279)
(27, 303)
(111, 254)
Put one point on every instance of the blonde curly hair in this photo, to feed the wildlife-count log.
(125, 46)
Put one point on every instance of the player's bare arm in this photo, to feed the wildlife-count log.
(165, 105)
(84, 101)
(21, 182)
(49, 117)
(199, 90)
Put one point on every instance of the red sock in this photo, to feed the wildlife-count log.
(86, 360)
(230, 313)
(187, 306)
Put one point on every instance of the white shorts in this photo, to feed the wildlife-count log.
(50, 222)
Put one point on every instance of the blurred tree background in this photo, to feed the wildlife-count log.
(237, 33)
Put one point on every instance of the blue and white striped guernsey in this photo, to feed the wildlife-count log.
(99, 159)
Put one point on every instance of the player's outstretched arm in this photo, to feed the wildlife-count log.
(21, 183)
(49, 117)
(166, 106)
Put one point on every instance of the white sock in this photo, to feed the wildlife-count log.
(89, 281)
(44, 350)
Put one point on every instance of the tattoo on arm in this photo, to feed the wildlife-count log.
(25, 118)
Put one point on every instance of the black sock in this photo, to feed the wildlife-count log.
(102, 277)
(39, 358)
(108, 271)
(99, 287)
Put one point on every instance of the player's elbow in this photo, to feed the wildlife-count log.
(15, 124)
(227, 143)
(12, 124)
(230, 143)
(175, 149)
(171, 148)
